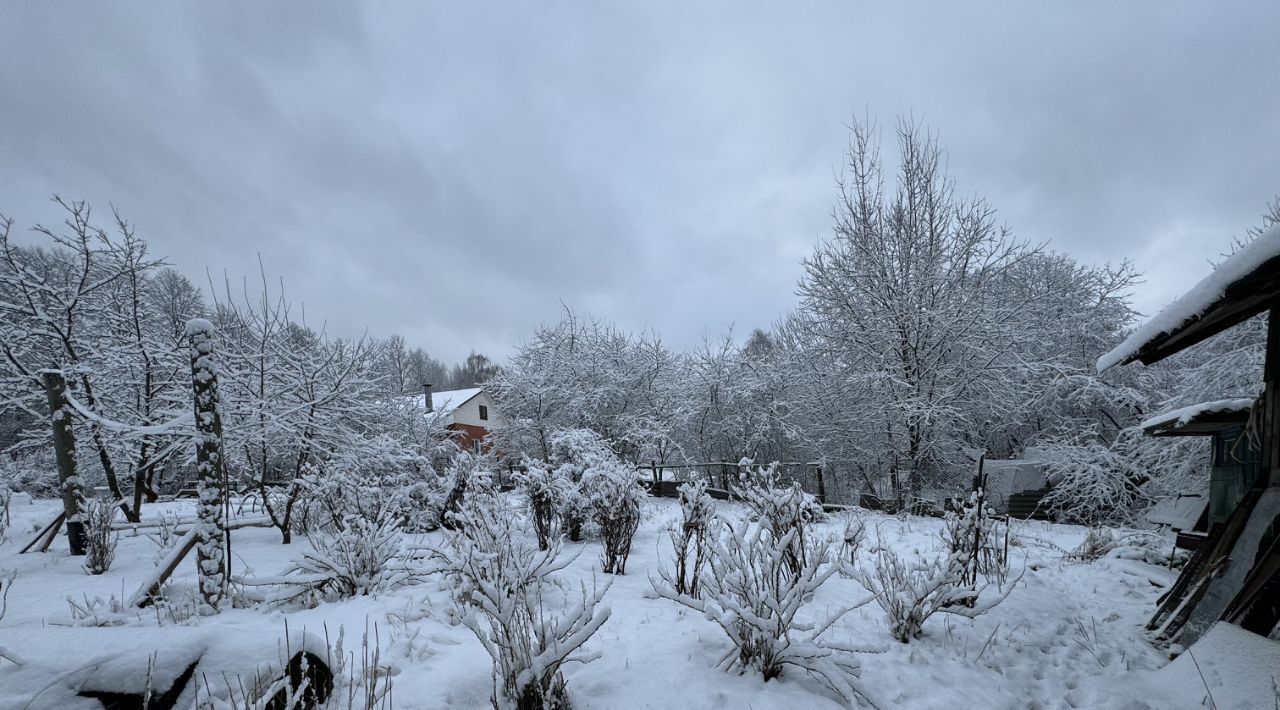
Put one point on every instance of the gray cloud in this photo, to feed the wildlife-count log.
(456, 171)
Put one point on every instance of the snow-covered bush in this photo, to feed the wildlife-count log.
(28, 472)
(575, 452)
(546, 490)
(464, 474)
(977, 541)
(1099, 483)
(754, 595)
(375, 478)
(616, 498)
(505, 584)
(96, 611)
(855, 530)
(911, 591)
(164, 534)
(1096, 544)
(360, 557)
(782, 508)
(1149, 547)
(697, 511)
(99, 538)
(581, 447)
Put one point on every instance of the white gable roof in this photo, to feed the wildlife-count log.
(448, 401)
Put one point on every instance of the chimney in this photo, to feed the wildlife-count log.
(426, 388)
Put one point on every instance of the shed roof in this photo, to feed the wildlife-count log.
(1242, 286)
(1200, 419)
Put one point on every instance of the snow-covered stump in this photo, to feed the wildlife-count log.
(64, 446)
(211, 538)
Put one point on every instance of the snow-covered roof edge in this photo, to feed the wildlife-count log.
(446, 401)
(1193, 303)
(1184, 415)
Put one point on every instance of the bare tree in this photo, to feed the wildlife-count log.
(903, 297)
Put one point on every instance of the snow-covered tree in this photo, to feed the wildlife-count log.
(294, 398)
(62, 310)
(585, 374)
(905, 296)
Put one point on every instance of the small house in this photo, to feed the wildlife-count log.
(469, 413)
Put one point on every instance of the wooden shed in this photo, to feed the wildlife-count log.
(1235, 575)
(1235, 460)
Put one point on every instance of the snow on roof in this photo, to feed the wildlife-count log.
(1180, 512)
(1184, 415)
(1196, 301)
(447, 401)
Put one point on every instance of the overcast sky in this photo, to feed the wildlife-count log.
(456, 171)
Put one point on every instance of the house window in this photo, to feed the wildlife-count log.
(475, 446)
(484, 412)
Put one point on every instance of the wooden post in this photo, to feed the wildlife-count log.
(822, 486)
(64, 446)
(211, 560)
(1271, 400)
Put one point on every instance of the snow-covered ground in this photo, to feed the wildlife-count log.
(1069, 636)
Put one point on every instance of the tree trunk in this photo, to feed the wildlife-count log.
(210, 560)
(64, 446)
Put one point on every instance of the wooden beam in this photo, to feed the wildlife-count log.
(45, 537)
(1271, 401)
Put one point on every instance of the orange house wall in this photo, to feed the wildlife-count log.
(468, 433)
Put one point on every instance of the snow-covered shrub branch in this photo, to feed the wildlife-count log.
(783, 508)
(100, 539)
(754, 594)
(6, 582)
(911, 590)
(976, 541)
(689, 540)
(506, 591)
(361, 556)
(546, 490)
(855, 530)
(615, 497)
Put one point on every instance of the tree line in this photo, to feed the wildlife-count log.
(925, 335)
(89, 301)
